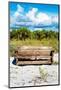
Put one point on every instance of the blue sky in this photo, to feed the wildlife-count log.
(33, 16)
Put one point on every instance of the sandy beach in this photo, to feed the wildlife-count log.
(33, 75)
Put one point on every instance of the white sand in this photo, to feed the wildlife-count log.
(30, 75)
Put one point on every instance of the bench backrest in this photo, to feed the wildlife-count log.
(34, 51)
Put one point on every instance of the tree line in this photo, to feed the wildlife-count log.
(24, 33)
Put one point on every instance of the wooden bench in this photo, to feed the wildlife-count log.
(33, 55)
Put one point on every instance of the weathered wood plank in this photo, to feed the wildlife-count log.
(34, 55)
(34, 52)
(33, 62)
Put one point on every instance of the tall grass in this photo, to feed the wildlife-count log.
(33, 42)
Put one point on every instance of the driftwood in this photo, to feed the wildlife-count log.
(27, 55)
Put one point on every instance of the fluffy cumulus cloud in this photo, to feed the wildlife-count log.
(18, 14)
(32, 18)
(19, 10)
(55, 19)
(38, 18)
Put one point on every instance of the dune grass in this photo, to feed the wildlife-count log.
(33, 42)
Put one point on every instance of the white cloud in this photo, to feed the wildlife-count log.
(12, 21)
(43, 18)
(31, 18)
(18, 11)
(31, 14)
(38, 17)
(19, 8)
(18, 14)
(55, 19)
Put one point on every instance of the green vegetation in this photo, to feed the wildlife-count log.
(24, 33)
(55, 62)
(43, 73)
(23, 36)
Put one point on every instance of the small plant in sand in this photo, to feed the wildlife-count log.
(55, 62)
(43, 73)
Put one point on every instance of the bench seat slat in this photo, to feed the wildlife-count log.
(32, 62)
(33, 58)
